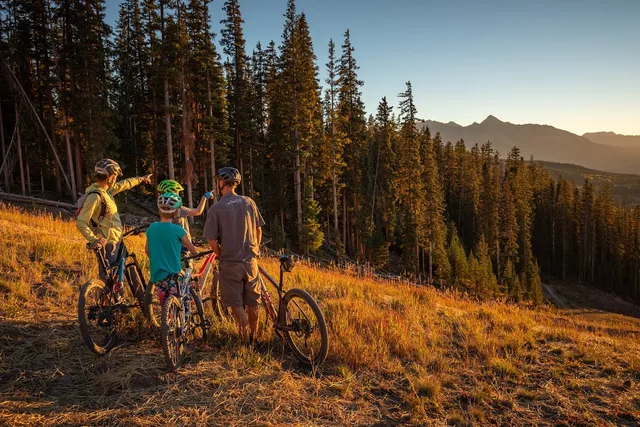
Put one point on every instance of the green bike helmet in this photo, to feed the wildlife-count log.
(169, 186)
(169, 202)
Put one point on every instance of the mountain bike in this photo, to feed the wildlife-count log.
(200, 279)
(295, 316)
(102, 305)
(183, 322)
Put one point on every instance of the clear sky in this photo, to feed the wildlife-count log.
(570, 64)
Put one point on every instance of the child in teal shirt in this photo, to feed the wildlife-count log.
(164, 242)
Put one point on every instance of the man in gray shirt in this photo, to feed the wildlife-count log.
(233, 229)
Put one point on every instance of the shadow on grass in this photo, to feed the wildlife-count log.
(46, 368)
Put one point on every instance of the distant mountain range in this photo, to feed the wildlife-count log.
(603, 151)
(610, 138)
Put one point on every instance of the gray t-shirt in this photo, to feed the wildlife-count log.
(233, 222)
(180, 217)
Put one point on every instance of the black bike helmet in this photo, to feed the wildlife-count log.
(229, 175)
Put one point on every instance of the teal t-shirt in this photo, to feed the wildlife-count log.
(165, 241)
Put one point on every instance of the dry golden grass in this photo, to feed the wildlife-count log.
(398, 354)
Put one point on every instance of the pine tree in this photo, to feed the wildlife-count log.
(352, 124)
(208, 88)
(383, 203)
(485, 283)
(308, 117)
(336, 139)
(233, 43)
(433, 229)
(460, 273)
(408, 182)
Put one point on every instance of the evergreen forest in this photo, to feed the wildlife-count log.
(162, 94)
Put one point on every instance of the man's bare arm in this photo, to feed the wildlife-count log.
(215, 246)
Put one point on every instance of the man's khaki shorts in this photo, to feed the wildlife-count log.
(239, 284)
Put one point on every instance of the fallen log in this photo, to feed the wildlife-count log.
(28, 199)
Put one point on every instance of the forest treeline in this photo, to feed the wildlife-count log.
(157, 94)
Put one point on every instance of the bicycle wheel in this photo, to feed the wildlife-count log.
(151, 308)
(172, 338)
(222, 312)
(197, 328)
(135, 284)
(96, 317)
(304, 327)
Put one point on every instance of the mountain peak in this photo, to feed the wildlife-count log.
(491, 119)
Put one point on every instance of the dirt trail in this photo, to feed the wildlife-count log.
(555, 297)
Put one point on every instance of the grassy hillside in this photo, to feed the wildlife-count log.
(398, 354)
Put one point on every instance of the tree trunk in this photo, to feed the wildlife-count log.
(19, 141)
(282, 225)
(78, 166)
(212, 145)
(41, 183)
(58, 172)
(155, 140)
(431, 263)
(298, 188)
(186, 139)
(238, 115)
(4, 152)
(251, 171)
(206, 180)
(375, 184)
(67, 139)
(28, 169)
(167, 128)
(135, 145)
(344, 221)
(53, 139)
(498, 258)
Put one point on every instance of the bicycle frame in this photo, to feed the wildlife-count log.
(117, 271)
(205, 270)
(275, 317)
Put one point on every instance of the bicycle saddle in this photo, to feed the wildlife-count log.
(287, 263)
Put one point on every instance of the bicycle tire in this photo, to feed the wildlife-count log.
(316, 358)
(202, 321)
(135, 284)
(151, 307)
(103, 347)
(172, 362)
(221, 312)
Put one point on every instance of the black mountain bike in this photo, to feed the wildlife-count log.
(102, 305)
(295, 315)
(183, 323)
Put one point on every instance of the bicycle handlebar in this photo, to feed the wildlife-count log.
(197, 256)
(136, 231)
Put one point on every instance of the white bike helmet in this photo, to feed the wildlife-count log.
(169, 202)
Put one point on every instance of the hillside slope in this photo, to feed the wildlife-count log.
(625, 187)
(543, 143)
(398, 355)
